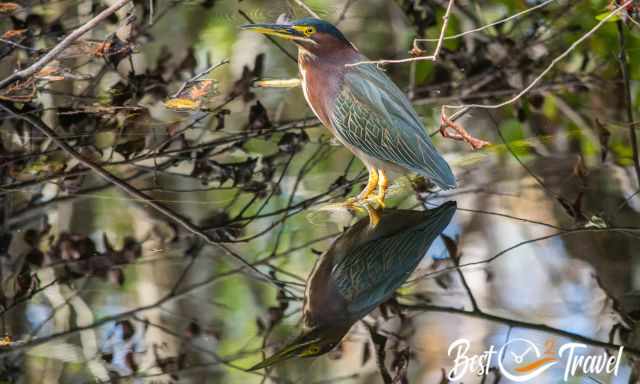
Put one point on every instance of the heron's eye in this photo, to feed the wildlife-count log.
(308, 31)
(314, 349)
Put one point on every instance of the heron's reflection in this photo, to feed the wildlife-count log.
(361, 270)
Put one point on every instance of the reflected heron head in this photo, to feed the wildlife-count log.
(361, 270)
(310, 343)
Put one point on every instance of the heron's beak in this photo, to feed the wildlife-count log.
(280, 30)
(294, 349)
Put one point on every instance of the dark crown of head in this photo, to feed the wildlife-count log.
(321, 26)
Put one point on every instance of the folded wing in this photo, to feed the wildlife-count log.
(372, 114)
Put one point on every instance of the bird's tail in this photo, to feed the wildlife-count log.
(435, 168)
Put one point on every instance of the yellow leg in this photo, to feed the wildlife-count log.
(374, 215)
(371, 185)
(357, 202)
(383, 184)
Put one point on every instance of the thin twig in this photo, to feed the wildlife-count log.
(520, 324)
(271, 39)
(307, 8)
(487, 26)
(148, 200)
(66, 42)
(345, 9)
(151, 11)
(379, 342)
(18, 45)
(456, 262)
(200, 75)
(548, 68)
(432, 57)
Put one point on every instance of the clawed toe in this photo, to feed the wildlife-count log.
(364, 200)
(355, 204)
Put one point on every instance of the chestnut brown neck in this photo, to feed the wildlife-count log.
(327, 51)
(322, 67)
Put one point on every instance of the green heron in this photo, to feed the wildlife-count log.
(361, 107)
(360, 271)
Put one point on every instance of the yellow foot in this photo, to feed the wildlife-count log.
(374, 215)
(355, 203)
(380, 200)
(383, 185)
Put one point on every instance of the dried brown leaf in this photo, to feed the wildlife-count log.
(13, 33)
(109, 48)
(8, 7)
(50, 73)
(181, 104)
(191, 97)
(200, 89)
(20, 91)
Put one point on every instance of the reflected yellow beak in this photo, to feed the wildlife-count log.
(280, 30)
(287, 353)
(296, 348)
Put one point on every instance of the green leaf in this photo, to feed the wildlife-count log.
(605, 14)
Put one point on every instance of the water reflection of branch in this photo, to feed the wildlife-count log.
(379, 343)
(518, 324)
(456, 255)
(108, 176)
(313, 160)
(28, 297)
(623, 230)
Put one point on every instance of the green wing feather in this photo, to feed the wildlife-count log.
(372, 114)
(368, 274)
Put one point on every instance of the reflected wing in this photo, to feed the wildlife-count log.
(373, 115)
(368, 274)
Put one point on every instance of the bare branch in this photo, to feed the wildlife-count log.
(433, 57)
(550, 66)
(307, 8)
(200, 75)
(520, 324)
(498, 22)
(345, 9)
(169, 213)
(66, 42)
